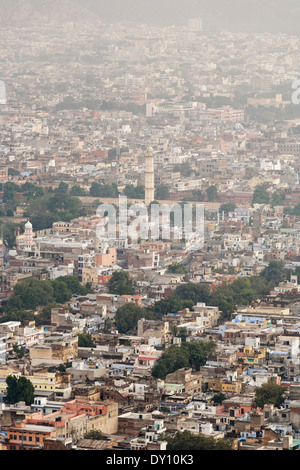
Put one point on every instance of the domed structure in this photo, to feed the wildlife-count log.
(28, 237)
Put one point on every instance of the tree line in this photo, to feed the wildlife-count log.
(33, 294)
(242, 291)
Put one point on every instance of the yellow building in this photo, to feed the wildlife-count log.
(50, 382)
(222, 385)
(43, 382)
(231, 387)
(90, 275)
(253, 356)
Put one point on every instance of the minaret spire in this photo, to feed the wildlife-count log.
(149, 177)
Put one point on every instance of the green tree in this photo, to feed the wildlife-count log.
(85, 341)
(212, 193)
(197, 195)
(30, 294)
(183, 334)
(293, 211)
(275, 272)
(104, 190)
(96, 435)
(228, 207)
(74, 286)
(13, 172)
(19, 389)
(65, 202)
(184, 169)
(43, 221)
(189, 354)
(121, 284)
(178, 268)
(162, 192)
(269, 393)
(173, 304)
(19, 351)
(172, 359)
(32, 192)
(112, 153)
(189, 441)
(260, 195)
(198, 352)
(44, 316)
(20, 315)
(194, 292)
(61, 293)
(278, 199)
(226, 305)
(9, 192)
(240, 292)
(46, 210)
(77, 191)
(218, 398)
(9, 235)
(134, 192)
(62, 188)
(128, 316)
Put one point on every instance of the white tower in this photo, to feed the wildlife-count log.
(149, 177)
(28, 238)
(2, 92)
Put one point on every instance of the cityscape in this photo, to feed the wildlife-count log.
(149, 229)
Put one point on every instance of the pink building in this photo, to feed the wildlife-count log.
(145, 360)
(108, 258)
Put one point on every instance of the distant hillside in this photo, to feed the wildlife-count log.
(234, 15)
(28, 11)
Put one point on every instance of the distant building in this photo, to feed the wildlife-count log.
(195, 24)
(2, 92)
